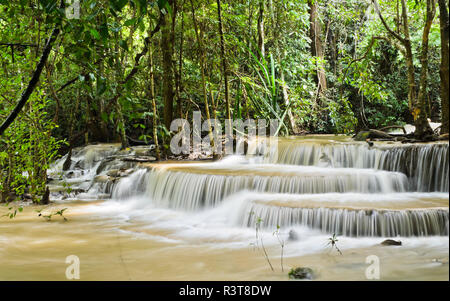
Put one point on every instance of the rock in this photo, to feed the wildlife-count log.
(126, 172)
(391, 242)
(113, 173)
(102, 179)
(139, 159)
(362, 136)
(78, 165)
(372, 134)
(301, 273)
(27, 196)
(441, 261)
(293, 236)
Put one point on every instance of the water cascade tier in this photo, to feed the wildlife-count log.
(327, 184)
(426, 165)
(191, 186)
(389, 215)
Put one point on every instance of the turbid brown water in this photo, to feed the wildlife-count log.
(127, 249)
(198, 221)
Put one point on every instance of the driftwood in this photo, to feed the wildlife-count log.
(380, 135)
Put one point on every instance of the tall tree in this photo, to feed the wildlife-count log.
(198, 36)
(261, 48)
(167, 48)
(224, 63)
(276, 31)
(417, 102)
(444, 72)
(315, 33)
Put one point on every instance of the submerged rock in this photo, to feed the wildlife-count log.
(391, 242)
(293, 236)
(301, 273)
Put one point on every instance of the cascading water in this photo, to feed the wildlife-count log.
(350, 214)
(339, 187)
(193, 186)
(426, 165)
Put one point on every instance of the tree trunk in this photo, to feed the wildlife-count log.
(261, 49)
(152, 98)
(167, 64)
(202, 68)
(444, 72)
(315, 32)
(224, 64)
(417, 103)
(422, 126)
(284, 90)
(179, 75)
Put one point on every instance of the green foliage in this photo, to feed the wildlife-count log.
(48, 216)
(27, 149)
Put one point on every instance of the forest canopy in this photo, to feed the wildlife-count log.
(77, 72)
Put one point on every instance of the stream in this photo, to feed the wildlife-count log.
(204, 220)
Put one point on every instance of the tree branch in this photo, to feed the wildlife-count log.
(393, 33)
(34, 79)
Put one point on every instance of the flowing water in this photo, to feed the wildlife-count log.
(207, 220)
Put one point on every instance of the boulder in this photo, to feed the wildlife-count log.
(113, 173)
(102, 179)
(391, 242)
(372, 134)
(301, 273)
(362, 136)
(293, 236)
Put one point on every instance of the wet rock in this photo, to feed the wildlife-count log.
(441, 261)
(139, 159)
(391, 242)
(113, 173)
(126, 172)
(372, 134)
(78, 191)
(293, 236)
(362, 136)
(78, 165)
(102, 179)
(301, 273)
(27, 197)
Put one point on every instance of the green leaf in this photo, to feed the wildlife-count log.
(123, 44)
(118, 5)
(94, 33)
(129, 22)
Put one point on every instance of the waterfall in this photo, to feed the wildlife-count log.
(193, 186)
(346, 216)
(354, 222)
(426, 165)
(346, 188)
